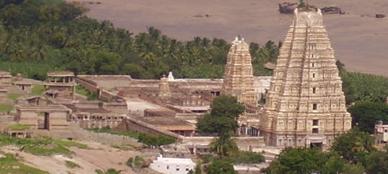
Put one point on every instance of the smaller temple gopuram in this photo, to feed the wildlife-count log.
(238, 75)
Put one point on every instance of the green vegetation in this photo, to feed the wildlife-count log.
(83, 91)
(351, 153)
(9, 164)
(41, 145)
(244, 157)
(298, 161)
(262, 55)
(220, 166)
(71, 164)
(366, 114)
(224, 146)
(18, 127)
(137, 162)
(354, 146)
(155, 140)
(145, 138)
(5, 108)
(377, 162)
(37, 90)
(364, 87)
(222, 120)
(13, 96)
(42, 35)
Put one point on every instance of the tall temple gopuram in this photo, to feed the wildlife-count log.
(305, 104)
(238, 77)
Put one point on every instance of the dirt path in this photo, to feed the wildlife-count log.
(358, 38)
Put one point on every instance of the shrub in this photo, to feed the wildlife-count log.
(247, 158)
(155, 140)
(71, 164)
(136, 162)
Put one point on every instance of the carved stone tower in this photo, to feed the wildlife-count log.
(305, 105)
(164, 88)
(238, 77)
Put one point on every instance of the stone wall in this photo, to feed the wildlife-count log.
(243, 143)
(139, 126)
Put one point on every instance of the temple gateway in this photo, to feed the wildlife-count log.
(305, 104)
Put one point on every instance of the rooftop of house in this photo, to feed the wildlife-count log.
(60, 74)
(179, 161)
(42, 108)
(25, 81)
(5, 74)
(74, 108)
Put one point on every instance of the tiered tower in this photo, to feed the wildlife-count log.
(164, 88)
(238, 77)
(305, 105)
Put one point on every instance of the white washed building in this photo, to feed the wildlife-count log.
(172, 165)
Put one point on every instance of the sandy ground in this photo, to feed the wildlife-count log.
(97, 156)
(360, 40)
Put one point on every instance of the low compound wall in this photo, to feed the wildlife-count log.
(76, 133)
(243, 143)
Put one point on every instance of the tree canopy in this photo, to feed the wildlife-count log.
(366, 114)
(302, 161)
(364, 87)
(55, 35)
(354, 146)
(222, 119)
(220, 166)
(377, 162)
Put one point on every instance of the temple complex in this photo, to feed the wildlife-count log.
(304, 101)
(305, 105)
(238, 75)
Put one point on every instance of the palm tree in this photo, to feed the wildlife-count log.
(224, 146)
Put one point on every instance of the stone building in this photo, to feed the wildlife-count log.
(5, 78)
(25, 84)
(164, 88)
(40, 114)
(96, 114)
(238, 77)
(60, 84)
(172, 165)
(305, 104)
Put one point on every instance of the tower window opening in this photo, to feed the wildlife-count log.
(315, 130)
(314, 90)
(313, 65)
(315, 122)
(313, 75)
(315, 106)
